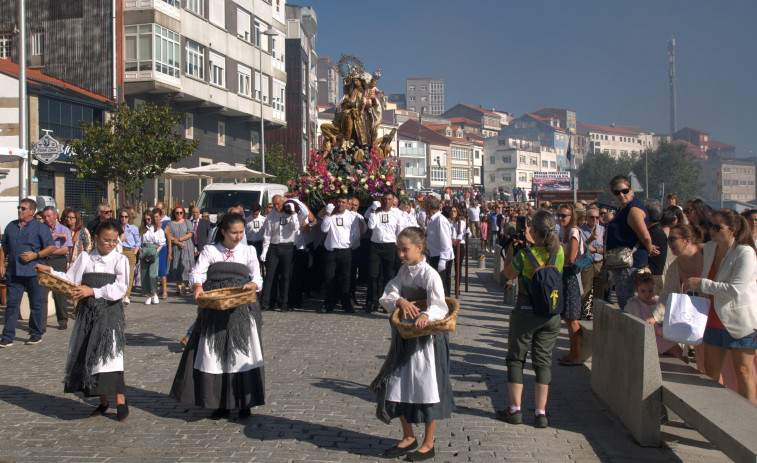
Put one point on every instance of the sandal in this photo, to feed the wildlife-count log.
(569, 363)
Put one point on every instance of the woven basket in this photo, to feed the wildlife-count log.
(226, 298)
(55, 284)
(448, 323)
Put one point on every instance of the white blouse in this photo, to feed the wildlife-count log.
(93, 262)
(152, 236)
(415, 381)
(241, 254)
(460, 231)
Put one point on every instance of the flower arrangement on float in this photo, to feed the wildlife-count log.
(367, 179)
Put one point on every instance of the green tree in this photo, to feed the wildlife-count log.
(282, 166)
(132, 146)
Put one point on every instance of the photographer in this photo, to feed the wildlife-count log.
(526, 327)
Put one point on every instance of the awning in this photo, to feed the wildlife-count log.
(12, 153)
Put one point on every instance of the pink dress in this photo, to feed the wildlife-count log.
(641, 309)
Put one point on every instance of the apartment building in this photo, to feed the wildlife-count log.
(329, 84)
(510, 162)
(490, 121)
(425, 95)
(548, 131)
(438, 151)
(413, 156)
(617, 141)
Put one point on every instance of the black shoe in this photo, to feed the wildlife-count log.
(5, 343)
(382, 309)
(122, 411)
(244, 413)
(349, 309)
(220, 414)
(63, 325)
(353, 299)
(507, 417)
(320, 309)
(263, 308)
(541, 421)
(369, 308)
(284, 308)
(397, 451)
(99, 411)
(329, 308)
(418, 456)
(34, 340)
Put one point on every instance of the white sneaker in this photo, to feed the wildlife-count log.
(155, 299)
(149, 300)
(127, 301)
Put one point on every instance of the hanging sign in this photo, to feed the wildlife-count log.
(47, 149)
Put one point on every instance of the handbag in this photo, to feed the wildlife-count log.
(585, 260)
(148, 259)
(620, 258)
(685, 318)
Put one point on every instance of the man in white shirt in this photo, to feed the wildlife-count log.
(341, 227)
(439, 242)
(303, 243)
(278, 249)
(474, 217)
(386, 225)
(360, 252)
(254, 228)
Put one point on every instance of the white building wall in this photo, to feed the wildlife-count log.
(511, 162)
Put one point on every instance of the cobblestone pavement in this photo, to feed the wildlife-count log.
(318, 406)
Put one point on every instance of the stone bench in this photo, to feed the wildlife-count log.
(723, 417)
(587, 335)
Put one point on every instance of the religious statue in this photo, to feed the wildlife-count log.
(354, 130)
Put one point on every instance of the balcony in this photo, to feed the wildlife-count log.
(415, 172)
(412, 152)
(171, 8)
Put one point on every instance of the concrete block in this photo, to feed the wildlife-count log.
(24, 306)
(498, 265)
(587, 338)
(626, 371)
(722, 416)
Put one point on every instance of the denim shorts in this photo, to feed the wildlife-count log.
(721, 338)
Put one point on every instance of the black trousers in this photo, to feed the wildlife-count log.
(446, 274)
(278, 259)
(258, 245)
(337, 264)
(383, 259)
(57, 263)
(300, 275)
(353, 270)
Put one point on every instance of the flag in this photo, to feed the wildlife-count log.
(568, 153)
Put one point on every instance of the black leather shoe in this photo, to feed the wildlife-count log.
(122, 411)
(353, 299)
(349, 309)
(418, 456)
(369, 308)
(99, 411)
(244, 413)
(220, 414)
(397, 451)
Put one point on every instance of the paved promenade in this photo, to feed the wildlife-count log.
(319, 408)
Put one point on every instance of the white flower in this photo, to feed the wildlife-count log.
(388, 183)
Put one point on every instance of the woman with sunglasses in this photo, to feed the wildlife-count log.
(573, 246)
(79, 234)
(751, 217)
(698, 213)
(729, 277)
(628, 230)
(131, 244)
(181, 258)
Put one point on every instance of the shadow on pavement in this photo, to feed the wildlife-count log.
(350, 388)
(45, 404)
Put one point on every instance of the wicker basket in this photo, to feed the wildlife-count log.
(448, 323)
(226, 298)
(55, 284)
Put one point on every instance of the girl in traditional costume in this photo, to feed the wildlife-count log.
(95, 364)
(222, 365)
(414, 383)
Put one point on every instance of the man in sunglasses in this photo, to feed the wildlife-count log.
(593, 279)
(104, 213)
(26, 242)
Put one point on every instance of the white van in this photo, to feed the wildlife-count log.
(218, 197)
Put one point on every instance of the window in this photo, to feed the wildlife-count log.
(279, 90)
(166, 51)
(459, 175)
(507, 159)
(216, 13)
(460, 154)
(411, 88)
(522, 159)
(254, 141)
(522, 177)
(552, 164)
(38, 43)
(491, 177)
(491, 159)
(534, 162)
(439, 174)
(423, 87)
(195, 60)
(545, 163)
(221, 133)
(174, 3)
(195, 6)
(245, 80)
(265, 88)
(412, 98)
(217, 69)
(189, 122)
(244, 20)
(258, 35)
(6, 41)
(138, 44)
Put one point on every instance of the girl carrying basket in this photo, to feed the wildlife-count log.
(413, 384)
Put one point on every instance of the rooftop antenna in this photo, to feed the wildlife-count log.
(672, 83)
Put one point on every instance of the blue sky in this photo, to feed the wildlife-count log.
(605, 59)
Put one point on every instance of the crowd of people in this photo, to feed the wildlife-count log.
(286, 253)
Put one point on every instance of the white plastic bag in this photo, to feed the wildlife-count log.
(685, 318)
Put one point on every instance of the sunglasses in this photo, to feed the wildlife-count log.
(124, 216)
(672, 239)
(71, 217)
(22, 208)
(624, 191)
(717, 226)
(687, 211)
(592, 216)
(179, 212)
(106, 212)
(562, 216)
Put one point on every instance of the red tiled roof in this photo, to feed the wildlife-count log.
(435, 127)
(476, 108)
(720, 145)
(462, 140)
(35, 75)
(604, 128)
(464, 121)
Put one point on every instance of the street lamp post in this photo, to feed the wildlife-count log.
(271, 32)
